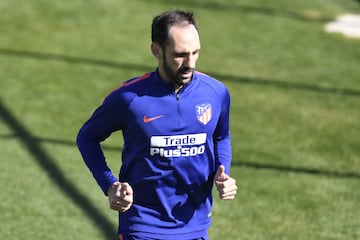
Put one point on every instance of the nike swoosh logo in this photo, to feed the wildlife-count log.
(147, 120)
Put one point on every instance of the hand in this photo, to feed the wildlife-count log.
(120, 196)
(225, 185)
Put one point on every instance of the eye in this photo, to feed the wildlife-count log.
(195, 52)
(180, 55)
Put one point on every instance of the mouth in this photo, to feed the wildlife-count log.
(186, 73)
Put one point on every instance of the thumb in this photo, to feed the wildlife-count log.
(220, 174)
(126, 188)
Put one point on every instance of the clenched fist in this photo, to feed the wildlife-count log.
(120, 196)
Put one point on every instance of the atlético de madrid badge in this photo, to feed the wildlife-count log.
(203, 112)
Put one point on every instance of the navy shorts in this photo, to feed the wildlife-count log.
(133, 237)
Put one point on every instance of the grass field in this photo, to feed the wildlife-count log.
(295, 116)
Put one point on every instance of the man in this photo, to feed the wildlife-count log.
(175, 124)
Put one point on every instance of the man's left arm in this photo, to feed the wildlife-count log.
(225, 184)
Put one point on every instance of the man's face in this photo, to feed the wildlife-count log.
(178, 58)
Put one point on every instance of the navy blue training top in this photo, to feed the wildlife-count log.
(173, 145)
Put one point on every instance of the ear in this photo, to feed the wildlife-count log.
(156, 50)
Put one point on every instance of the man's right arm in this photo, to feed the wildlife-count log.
(101, 124)
(94, 159)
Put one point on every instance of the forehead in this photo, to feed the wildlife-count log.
(184, 38)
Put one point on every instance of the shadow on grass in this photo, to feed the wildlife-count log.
(253, 165)
(223, 77)
(57, 141)
(247, 9)
(296, 169)
(47, 163)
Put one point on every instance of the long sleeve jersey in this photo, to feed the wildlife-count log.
(173, 144)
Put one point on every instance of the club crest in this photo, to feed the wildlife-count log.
(203, 112)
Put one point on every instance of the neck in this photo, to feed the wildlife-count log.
(178, 87)
(166, 78)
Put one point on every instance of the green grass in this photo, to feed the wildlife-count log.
(294, 117)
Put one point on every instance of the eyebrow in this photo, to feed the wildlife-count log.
(185, 53)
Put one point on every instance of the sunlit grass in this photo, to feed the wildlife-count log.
(294, 116)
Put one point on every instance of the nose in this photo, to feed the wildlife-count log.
(190, 61)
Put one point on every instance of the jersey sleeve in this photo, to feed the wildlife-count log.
(222, 140)
(106, 119)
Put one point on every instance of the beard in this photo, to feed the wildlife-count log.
(176, 76)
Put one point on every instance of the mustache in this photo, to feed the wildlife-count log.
(185, 69)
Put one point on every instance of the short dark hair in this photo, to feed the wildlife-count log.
(162, 23)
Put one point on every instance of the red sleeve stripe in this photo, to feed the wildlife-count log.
(135, 80)
(143, 77)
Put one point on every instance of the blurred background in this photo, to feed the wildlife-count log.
(294, 116)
